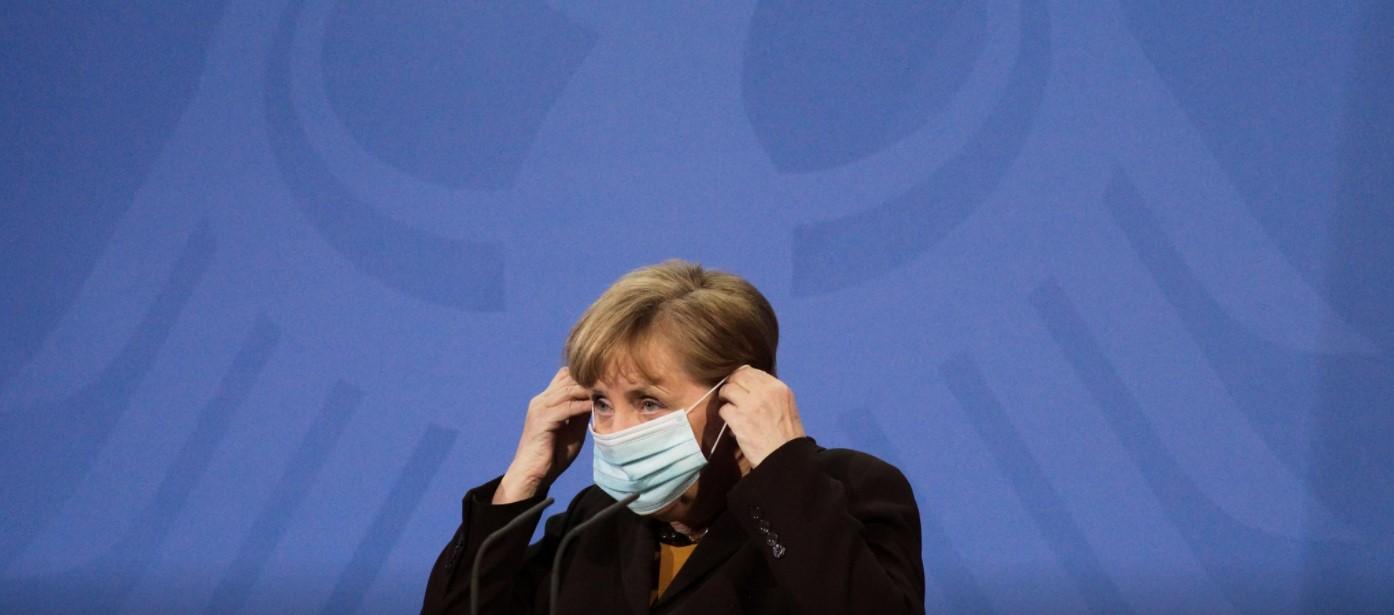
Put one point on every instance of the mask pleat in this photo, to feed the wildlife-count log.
(658, 459)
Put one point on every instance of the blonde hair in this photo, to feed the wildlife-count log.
(714, 322)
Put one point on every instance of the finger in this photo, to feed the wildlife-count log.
(566, 379)
(577, 407)
(733, 389)
(560, 413)
(570, 409)
(751, 372)
(730, 392)
(566, 393)
(753, 376)
(732, 415)
(747, 377)
(575, 391)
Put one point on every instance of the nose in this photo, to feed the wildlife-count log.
(623, 419)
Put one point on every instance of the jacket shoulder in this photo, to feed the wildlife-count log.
(849, 460)
(858, 470)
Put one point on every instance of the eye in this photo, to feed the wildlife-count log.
(601, 406)
(649, 404)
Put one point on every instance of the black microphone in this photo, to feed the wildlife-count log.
(575, 531)
(489, 540)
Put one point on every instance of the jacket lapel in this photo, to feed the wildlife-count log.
(637, 548)
(723, 538)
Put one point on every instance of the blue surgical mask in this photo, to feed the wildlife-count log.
(657, 459)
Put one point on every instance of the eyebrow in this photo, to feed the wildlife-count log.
(650, 390)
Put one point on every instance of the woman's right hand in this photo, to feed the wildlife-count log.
(553, 432)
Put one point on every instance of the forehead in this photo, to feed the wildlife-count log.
(649, 362)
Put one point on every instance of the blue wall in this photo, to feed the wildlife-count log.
(1111, 281)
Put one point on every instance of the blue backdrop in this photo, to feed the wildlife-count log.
(1111, 281)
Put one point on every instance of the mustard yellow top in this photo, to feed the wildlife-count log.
(670, 560)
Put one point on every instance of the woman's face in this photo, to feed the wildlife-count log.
(624, 397)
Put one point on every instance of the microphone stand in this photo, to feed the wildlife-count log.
(493, 537)
(565, 540)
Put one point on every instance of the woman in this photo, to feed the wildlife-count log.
(672, 371)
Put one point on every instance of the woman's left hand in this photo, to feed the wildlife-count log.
(759, 410)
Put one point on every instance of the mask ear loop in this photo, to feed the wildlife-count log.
(718, 439)
(724, 425)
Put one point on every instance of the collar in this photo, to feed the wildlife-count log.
(665, 534)
(639, 542)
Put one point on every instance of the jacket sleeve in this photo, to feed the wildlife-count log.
(511, 572)
(849, 544)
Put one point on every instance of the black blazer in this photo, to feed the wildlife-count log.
(811, 530)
